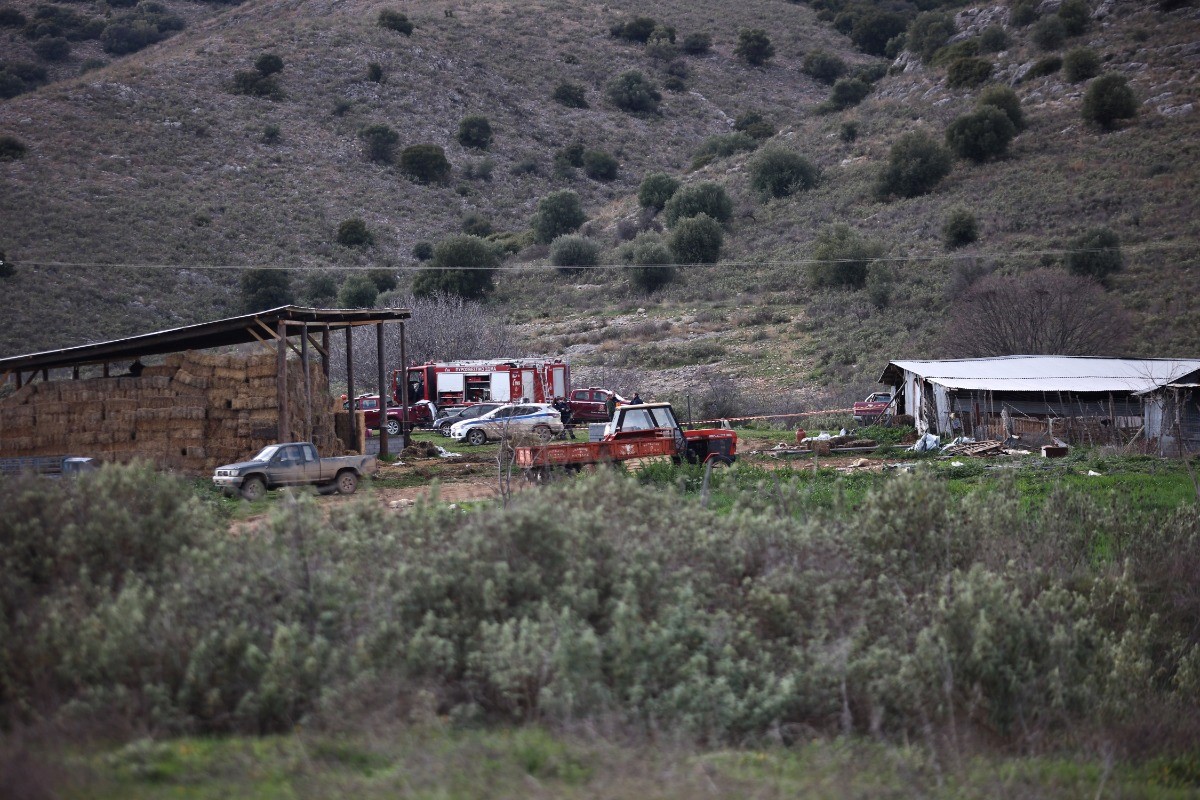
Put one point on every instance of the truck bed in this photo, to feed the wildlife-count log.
(583, 453)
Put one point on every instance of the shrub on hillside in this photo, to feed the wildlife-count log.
(1075, 16)
(776, 172)
(967, 73)
(700, 198)
(265, 288)
(631, 91)
(600, 166)
(1049, 33)
(637, 29)
(696, 44)
(960, 229)
(848, 131)
(754, 47)
(425, 163)
(11, 148)
(354, 233)
(752, 123)
(1095, 254)
(650, 260)
(927, 32)
(981, 134)
(268, 64)
(422, 251)
(476, 224)
(966, 48)
(842, 258)
(571, 95)
(723, 145)
(1043, 67)
(916, 164)
(1080, 64)
(52, 48)
(375, 72)
(461, 265)
(993, 39)
(358, 291)
(557, 213)
(874, 28)
(661, 44)
(320, 290)
(11, 18)
(379, 142)
(148, 24)
(394, 20)
(656, 189)
(1023, 12)
(1108, 100)
(846, 93)
(571, 252)
(1004, 99)
(475, 131)
(696, 240)
(823, 66)
(384, 279)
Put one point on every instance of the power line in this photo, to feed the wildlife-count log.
(799, 262)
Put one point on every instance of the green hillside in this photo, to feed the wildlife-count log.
(142, 176)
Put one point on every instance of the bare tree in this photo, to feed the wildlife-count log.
(1043, 312)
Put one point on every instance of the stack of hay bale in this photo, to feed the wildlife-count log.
(193, 412)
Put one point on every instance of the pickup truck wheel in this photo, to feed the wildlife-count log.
(254, 488)
(543, 433)
(347, 482)
(393, 427)
(476, 436)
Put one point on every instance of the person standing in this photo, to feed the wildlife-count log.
(637, 399)
(610, 405)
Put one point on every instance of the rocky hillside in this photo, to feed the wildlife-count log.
(146, 184)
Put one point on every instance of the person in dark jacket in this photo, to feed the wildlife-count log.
(637, 399)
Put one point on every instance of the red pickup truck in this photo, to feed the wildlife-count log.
(877, 406)
(589, 405)
(418, 414)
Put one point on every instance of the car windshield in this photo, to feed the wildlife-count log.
(267, 453)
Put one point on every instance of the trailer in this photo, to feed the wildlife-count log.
(457, 383)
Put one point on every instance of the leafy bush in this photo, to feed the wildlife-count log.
(379, 142)
(656, 189)
(148, 24)
(557, 213)
(384, 279)
(723, 145)
(422, 251)
(475, 131)
(354, 233)
(846, 93)
(776, 172)
(572, 154)
(268, 64)
(993, 39)
(966, 48)
(959, 229)
(571, 95)
(927, 32)
(1043, 67)
(696, 44)
(754, 47)
(696, 240)
(265, 288)
(476, 224)
(700, 198)
(461, 265)
(1109, 99)
(752, 123)
(652, 267)
(394, 20)
(358, 291)
(661, 44)
(1049, 33)
(967, 73)
(1004, 99)
(11, 18)
(320, 290)
(631, 91)
(916, 164)
(11, 148)
(1075, 16)
(823, 66)
(981, 134)
(425, 163)
(271, 134)
(600, 166)
(52, 48)
(848, 131)
(1095, 254)
(842, 258)
(571, 252)
(874, 28)
(637, 29)
(1023, 12)
(375, 72)
(1080, 64)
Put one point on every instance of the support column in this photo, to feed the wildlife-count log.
(284, 433)
(404, 426)
(325, 353)
(20, 383)
(308, 431)
(384, 394)
(350, 383)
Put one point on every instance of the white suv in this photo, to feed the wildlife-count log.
(537, 419)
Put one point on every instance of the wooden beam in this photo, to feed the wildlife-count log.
(307, 386)
(384, 394)
(261, 340)
(284, 433)
(325, 353)
(403, 391)
(350, 385)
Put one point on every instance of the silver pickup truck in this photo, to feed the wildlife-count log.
(293, 464)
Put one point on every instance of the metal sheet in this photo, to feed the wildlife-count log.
(1047, 373)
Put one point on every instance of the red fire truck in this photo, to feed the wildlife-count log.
(455, 383)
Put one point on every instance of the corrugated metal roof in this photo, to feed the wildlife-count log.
(1048, 373)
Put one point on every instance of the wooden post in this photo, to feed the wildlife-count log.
(325, 353)
(350, 384)
(106, 369)
(20, 383)
(403, 390)
(384, 394)
(281, 388)
(75, 372)
(307, 383)
(45, 375)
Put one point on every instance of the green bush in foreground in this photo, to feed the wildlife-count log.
(1004, 99)
(699, 198)
(1080, 64)
(959, 229)
(631, 91)
(656, 189)
(358, 291)
(980, 135)
(775, 172)
(425, 163)
(916, 164)
(650, 259)
(557, 213)
(571, 252)
(754, 47)
(354, 233)
(461, 265)
(696, 240)
(1108, 100)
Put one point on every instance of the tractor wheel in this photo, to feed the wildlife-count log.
(347, 482)
(476, 436)
(254, 488)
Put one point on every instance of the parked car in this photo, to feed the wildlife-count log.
(292, 464)
(877, 406)
(589, 405)
(442, 424)
(536, 419)
(419, 414)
